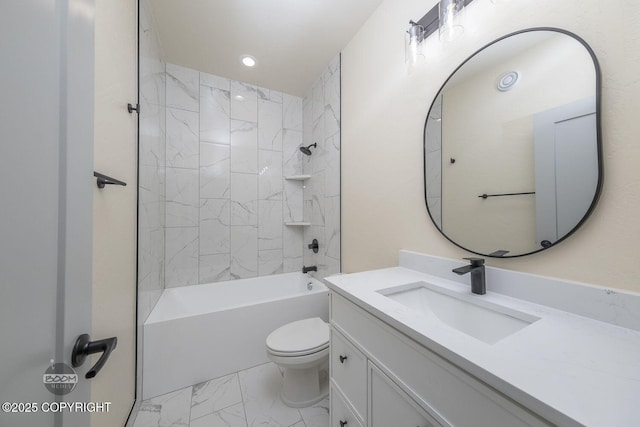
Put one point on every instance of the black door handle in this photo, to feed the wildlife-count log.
(84, 347)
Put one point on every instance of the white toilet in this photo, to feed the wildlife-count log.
(301, 348)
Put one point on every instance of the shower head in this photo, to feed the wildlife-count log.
(306, 150)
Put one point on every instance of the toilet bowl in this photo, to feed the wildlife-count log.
(301, 349)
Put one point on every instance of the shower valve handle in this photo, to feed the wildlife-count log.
(314, 246)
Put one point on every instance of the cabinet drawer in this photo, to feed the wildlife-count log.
(349, 371)
(431, 380)
(341, 414)
(390, 406)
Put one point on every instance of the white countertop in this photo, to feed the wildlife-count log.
(570, 369)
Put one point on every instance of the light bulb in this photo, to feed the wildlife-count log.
(248, 61)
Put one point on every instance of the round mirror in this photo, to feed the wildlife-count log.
(513, 157)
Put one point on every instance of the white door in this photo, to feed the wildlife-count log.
(566, 167)
(46, 188)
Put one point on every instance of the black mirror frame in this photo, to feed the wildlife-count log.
(598, 191)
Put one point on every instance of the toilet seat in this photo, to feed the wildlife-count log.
(300, 338)
(297, 353)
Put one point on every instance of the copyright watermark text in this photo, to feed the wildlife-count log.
(69, 407)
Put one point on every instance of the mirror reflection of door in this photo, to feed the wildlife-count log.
(566, 165)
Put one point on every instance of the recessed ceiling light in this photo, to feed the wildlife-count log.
(248, 60)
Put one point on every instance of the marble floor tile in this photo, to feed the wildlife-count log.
(232, 416)
(316, 415)
(248, 398)
(214, 395)
(171, 409)
(260, 391)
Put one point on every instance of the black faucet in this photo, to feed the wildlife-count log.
(476, 268)
(308, 269)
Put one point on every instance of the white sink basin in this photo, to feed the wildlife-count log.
(466, 313)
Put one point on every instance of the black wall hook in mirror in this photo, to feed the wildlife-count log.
(107, 180)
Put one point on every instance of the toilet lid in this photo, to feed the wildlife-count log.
(302, 336)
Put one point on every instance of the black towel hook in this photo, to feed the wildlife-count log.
(107, 180)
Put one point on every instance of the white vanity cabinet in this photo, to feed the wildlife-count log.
(389, 380)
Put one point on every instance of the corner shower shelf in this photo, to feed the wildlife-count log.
(298, 224)
(297, 177)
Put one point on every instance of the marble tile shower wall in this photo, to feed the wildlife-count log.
(321, 118)
(228, 147)
(151, 223)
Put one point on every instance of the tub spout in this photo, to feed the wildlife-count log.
(308, 269)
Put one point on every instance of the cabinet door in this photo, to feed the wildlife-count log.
(390, 406)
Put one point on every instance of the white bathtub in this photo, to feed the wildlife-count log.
(196, 333)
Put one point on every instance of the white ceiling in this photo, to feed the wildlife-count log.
(292, 40)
